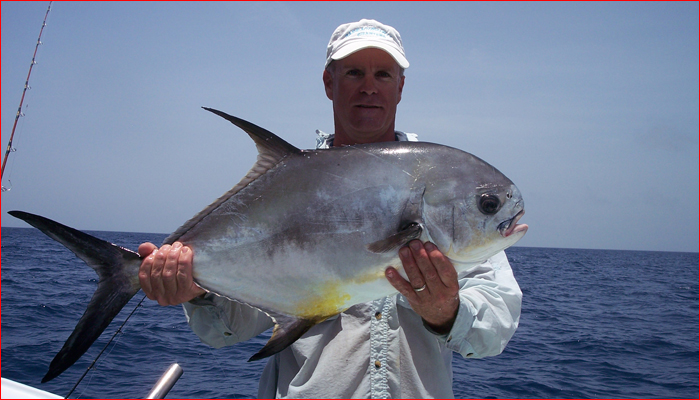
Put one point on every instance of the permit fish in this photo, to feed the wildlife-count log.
(306, 234)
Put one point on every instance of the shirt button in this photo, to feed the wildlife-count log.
(470, 354)
(378, 364)
(378, 315)
(449, 338)
(227, 333)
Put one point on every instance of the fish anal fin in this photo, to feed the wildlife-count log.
(287, 330)
(397, 240)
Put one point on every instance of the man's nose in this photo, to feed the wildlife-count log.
(369, 85)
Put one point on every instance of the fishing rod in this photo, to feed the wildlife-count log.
(19, 109)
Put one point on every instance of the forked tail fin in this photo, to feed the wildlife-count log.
(118, 282)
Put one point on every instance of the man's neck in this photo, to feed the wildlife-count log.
(342, 139)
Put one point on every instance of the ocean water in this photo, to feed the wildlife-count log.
(594, 324)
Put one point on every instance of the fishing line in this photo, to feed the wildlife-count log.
(87, 385)
(106, 345)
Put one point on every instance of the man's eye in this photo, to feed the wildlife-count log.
(354, 72)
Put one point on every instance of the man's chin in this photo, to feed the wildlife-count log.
(369, 122)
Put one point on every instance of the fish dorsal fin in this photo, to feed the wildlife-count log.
(269, 145)
(271, 150)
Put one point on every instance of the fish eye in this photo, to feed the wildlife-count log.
(489, 204)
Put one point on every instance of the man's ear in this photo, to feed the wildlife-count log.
(403, 79)
(328, 83)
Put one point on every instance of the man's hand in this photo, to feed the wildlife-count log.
(432, 288)
(166, 274)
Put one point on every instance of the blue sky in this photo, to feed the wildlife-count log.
(590, 108)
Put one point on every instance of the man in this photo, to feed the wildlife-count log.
(398, 346)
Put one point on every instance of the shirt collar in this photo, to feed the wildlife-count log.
(325, 140)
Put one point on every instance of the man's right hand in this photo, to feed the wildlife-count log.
(166, 274)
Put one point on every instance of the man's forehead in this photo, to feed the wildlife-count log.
(370, 57)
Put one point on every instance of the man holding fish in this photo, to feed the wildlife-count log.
(397, 346)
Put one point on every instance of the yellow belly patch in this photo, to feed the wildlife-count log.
(332, 297)
(325, 300)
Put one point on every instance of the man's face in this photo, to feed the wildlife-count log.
(365, 88)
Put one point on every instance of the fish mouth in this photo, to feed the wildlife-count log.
(509, 227)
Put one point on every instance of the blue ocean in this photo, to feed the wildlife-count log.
(594, 324)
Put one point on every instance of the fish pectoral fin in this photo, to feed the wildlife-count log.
(287, 330)
(410, 229)
(397, 240)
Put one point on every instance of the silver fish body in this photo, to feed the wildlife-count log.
(307, 234)
(305, 227)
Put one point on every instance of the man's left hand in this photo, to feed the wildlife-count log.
(432, 288)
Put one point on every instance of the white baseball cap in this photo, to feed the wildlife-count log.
(366, 33)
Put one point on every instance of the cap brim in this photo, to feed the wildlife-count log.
(351, 48)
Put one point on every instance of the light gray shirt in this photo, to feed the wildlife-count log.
(379, 349)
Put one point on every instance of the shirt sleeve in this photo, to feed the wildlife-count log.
(221, 322)
(489, 311)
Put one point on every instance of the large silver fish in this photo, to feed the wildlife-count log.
(308, 233)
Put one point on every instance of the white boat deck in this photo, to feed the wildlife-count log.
(16, 390)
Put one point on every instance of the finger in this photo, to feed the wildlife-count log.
(425, 266)
(402, 285)
(145, 249)
(170, 273)
(145, 273)
(411, 268)
(445, 270)
(185, 282)
(159, 260)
